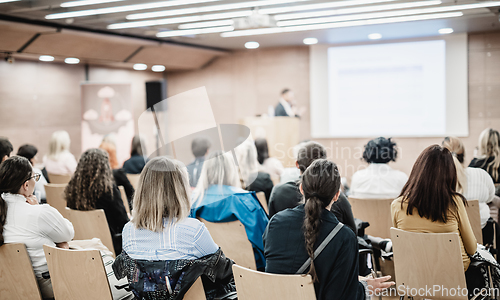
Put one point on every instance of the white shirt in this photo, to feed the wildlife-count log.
(272, 166)
(377, 181)
(480, 187)
(287, 107)
(35, 226)
(40, 184)
(65, 164)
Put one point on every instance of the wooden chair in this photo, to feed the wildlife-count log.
(233, 240)
(17, 279)
(423, 260)
(125, 200)
(91, 224)
(253, 285)
(59, 179)
(377, 212)
(134, 179)
(475, 219)
(196, 292)
(55, 196)
(77, 274)
(262, 199)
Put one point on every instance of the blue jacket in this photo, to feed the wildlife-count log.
(226, 204)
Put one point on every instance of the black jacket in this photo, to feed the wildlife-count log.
(287, 195)
(134, 165)
(116, 215)
(147, 278)
(122, 180)
(336, 266)
(262, 183)
(483, 164)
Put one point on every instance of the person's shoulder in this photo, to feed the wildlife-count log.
(477, 172)
(289, 213)
(476, 162)
(397, 202)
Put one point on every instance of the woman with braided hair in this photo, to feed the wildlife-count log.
(293, 236)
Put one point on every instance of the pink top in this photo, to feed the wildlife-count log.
(66, 164)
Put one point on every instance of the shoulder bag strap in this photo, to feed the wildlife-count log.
(320, 248)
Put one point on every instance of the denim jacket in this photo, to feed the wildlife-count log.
(171, 279)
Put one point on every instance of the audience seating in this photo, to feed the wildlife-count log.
(77, 274)
(124, 199)
(475, 219)
(59, 179)
(232, 239)
(134, 179)
(423, 260)
(91, 224)
(377, 212)
(55, 196)
(17, 279)
(253, 285)
(262, 199)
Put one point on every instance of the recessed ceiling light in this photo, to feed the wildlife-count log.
(158, 68)
(374, 36)
(86, 2)
(72, 60)
(310, 41)
(252, 45)
(446, 30)
(46, 58)
(140, 67)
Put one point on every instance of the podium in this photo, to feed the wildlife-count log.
(281, 133)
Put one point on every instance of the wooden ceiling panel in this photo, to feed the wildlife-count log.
(176, 57)
(84, 45)
(14, 35)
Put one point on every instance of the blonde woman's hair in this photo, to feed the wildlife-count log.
(218, 169)
(59, 143)
(489, 141)
(457, 149)
(246, 154)
(162, 193)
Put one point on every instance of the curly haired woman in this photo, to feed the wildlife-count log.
(92, 187)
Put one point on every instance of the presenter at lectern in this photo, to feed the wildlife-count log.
(286, 106)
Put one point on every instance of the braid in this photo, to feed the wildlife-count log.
(312, 222)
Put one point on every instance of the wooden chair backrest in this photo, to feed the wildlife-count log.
(134, 179)
(253, 285)
(124, 199)
(475, 219)
(377, 212)
(77, 274)
(262, 199)
(196, 292)
(59, 179)
(423, 260)
(17, 279)
(91, 224)
(232, 238)
(55, 196)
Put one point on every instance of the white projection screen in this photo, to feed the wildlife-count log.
(411, 88)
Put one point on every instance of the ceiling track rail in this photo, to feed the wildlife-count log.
(4, 17)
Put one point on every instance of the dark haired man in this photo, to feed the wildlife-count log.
(5, 148)
(287, 195)
(378, 180)
(285, 107)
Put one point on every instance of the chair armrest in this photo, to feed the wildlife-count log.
(365, 251)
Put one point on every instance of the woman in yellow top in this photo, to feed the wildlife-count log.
(429, 203)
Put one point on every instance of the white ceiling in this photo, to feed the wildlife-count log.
(474, 20)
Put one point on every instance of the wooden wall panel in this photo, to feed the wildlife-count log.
(255, 78)
(38, 98)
